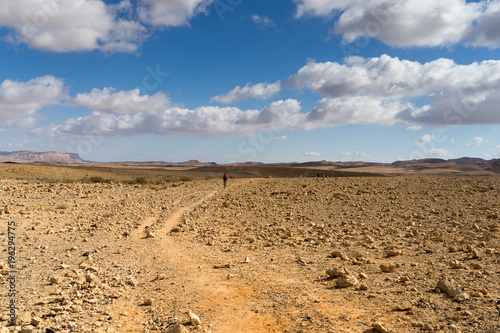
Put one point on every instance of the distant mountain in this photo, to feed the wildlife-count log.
(34, 156)
(464, 160)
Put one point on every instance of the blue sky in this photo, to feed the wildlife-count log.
(240, 80)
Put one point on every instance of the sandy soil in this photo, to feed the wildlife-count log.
(263, 255)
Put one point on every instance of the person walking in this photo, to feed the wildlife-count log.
(225, 178)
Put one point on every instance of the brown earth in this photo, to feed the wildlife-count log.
(263, 255)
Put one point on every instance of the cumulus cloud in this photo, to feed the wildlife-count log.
(263, 21)
(313, 153)
(476, 142)
(20, 101)
(439, 152)
(425, 139)
(170, 13)
(259, 91)
(87, 25)
(381, 90)
(108, 100)
(407, 23)
(64, 26)
(201, 121)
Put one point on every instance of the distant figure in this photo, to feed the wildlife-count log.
(225, 180)
(318, 175)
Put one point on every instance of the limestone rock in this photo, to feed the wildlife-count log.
(195, 320)
(177, 328)
(346, 281)
(379, 328)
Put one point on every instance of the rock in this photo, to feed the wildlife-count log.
(462, 297)
(338, 254)
(35, 321)
(247, 260)
(379, 328)
(27, 329)
(445, 284)
(455, 264)
(177, 328)
(477, 266)
(337, 272)
(195, 320)
(476, 254)
(363, 286)
(131, 282)
(427, 327)
(56, 280)
(404, 306)
(387, 268)
(91, 278)
(346, 281)
(148, 302)
(150, 234)
(160, 277)
(394, 253)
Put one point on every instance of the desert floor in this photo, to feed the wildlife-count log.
(264, 255)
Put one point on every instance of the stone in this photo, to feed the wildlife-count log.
(445, 284)
(337, 272)
(160, 277)
(148, 302)
(404, 306)
(177, 328)
(195, 320)
(338, 254)
(55, 280)
(387, 268)
(35, 321)
(462, 297)
(346, 281)
(150, 234)
(27, 329)
(378, 327)
(394, 253)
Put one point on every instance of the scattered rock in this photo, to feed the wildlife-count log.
(338, 272)
(379, 328)
(195, 320)
(177, 328)
(346, 281)
(387, 268)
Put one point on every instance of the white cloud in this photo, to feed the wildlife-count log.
(64, 26)
(259, 91)
(407, 23)
(108, 100)
(20, 101)
(476, 142)
(363, 155)
(263, 21)
(283, 137)
(425, 139)
(414, 128)
(439, 152)
(346, 153)
(380, 91)
(170, 13)
(202, 121)
(313, 153)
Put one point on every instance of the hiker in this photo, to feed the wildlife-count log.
(225, 180)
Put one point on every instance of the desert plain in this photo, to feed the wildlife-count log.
(129, 250)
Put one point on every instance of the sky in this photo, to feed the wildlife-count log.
(251, 80)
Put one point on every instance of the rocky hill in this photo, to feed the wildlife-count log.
(34, 156)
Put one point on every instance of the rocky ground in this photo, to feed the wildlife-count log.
(264, 255)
